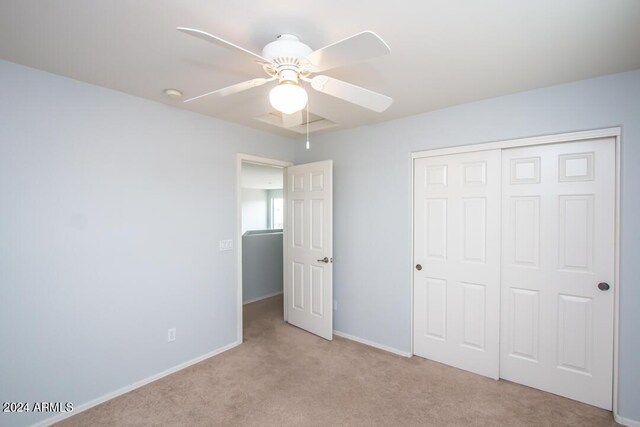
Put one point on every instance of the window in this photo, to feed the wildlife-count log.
(277, 212)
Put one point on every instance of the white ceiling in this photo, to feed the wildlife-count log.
(261, 176)
(442, 52)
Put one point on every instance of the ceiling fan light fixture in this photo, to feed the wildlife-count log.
(288, 97)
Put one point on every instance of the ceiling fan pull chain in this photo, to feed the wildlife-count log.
(308, 145)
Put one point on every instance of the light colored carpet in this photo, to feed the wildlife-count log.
(282, 375)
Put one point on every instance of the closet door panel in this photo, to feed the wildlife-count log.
(457, 256)
(557, 246)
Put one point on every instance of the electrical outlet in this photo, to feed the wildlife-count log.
(226, 245)
(171, 334)
(335, 305)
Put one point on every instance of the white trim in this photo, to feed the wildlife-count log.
(285, 246)
(616, 288)
(613, 132)
(521, 142)
(372, 344)
(261, 298)
(625, 421)
(248, 158)
(131, 387)
(412, 160)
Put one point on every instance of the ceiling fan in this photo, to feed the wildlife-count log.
(291, 62)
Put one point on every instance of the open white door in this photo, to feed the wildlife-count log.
(308, 254)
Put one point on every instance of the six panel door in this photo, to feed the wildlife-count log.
(557, 246)
(309, 248)
(457, 257)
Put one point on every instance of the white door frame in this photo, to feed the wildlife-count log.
(613, 132)
(248, 158)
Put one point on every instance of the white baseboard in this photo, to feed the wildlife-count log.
(372, 344)
(131, 387)
(261, 298)
(625, 421)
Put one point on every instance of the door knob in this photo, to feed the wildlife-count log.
(418, 267)
(325, 260)
(603, 286)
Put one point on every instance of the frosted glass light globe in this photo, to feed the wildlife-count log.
(288, 98)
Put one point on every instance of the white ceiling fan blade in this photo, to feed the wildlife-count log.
(357, 48)
(291, 120)
(230, 90)
(220, 42)
(352, 93)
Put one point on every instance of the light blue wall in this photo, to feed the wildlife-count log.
(261, 264)
(372, 176)
(111, 208)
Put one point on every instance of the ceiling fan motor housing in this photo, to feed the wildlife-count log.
(285, 53)
(286, 46)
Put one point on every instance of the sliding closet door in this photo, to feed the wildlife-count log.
(558, 268)
(457, 256)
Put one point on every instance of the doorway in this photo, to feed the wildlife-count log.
(262, 227)
(261, 221)
(305, 215)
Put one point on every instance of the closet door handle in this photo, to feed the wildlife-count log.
(325, 260)
(603, 286)
(418, 267)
